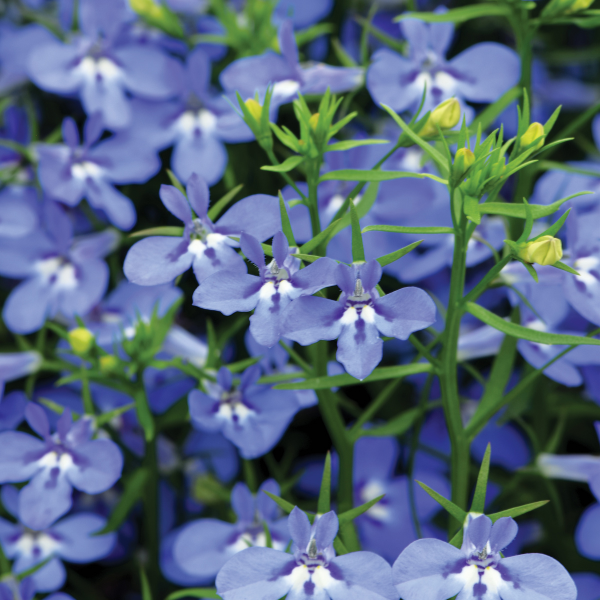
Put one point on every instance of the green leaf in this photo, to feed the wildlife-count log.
(528, 223)
(349, 144)
(175, 182)
(388, 259)
(268, 538)
(324, 503)
(518, 511)
(553, 229)
(367, 175)
(401, 229)
(471, 208)
(524, 333)
(459, 15)
(379, 374)
(159, 16)
(478, 504)
(358, 250)
(23, 574)
(285, 506)
(320, 237)
(166, 230)
(529, 268)
(107, 417)
(286, 166)
(286, 226)
(396, 426)
(549, 124)
(339, 546)
(134, 490)
(438, 158)
(563, 267)
(350, 515)
(194, 593)
(219, 206)
(518, 210)
(458, 513)
(145, 585)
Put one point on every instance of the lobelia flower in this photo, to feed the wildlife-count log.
(399, 81)
(279, 283)
(205, 245)
(197, 122)
(63, 275)
(434, 570)
(579, 467)
(312, 571)
(358, 317)
(67, 459)
(251, 416)
(72, 171)
(70, 539)
(102, 66)
(203, 546)
(286, 74)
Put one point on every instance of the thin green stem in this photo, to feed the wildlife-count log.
(485, 282)
(287, 178)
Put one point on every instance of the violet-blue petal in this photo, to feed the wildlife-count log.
(429, 569)
(44, 499)
(316, 276)
(403, 312)
(175, 202)
(70, 132)
(79, 544)
(16, 452)
(157, 260)
(252, 249)
(587, 584)
(255, 573)
(360, 348)
(202, 411)
(198, 195)
(280, 247)
(50, 67)
(200, 547)
(242, 502)
(37, 419)
(535, 576)
(366, 576)
(479, 83)
(257, 215)
(326, 529)
(311, 318)
(267, 508)
(503, 533)
(478, 531)
(228, 292)
(345, 278)
(99, 467)
(299, 527)
(287, 42)
(587, 534)
(265, 323)
(204, 154)
(370, 274)
(12, 409)
(27, 307)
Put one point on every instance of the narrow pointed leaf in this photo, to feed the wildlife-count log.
(350, 515)
(167, 230)
(478, 504)
(175, 182)
(145, 585)
(286, 166)
(401, 229)
(324, 503)
(285, 506)
(367, 175)
(458, 513)
(518, 210)
(518, 511)
(194, 593)
(561, 265)
(397, 426)
(524, 333)
(286, 226)
(221, 204)
(349, 144)
(388, 259)
(358, 250)
(554, 229)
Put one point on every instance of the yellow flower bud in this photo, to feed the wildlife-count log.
(546, 250)
(254, 107)
(534, 131)
(108, 363)
(446, 115)
(313, 121)
(81, 340)
(578, 5)
(463, 160)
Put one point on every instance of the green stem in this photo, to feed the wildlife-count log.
(489, 277)
(448, 372)
(287, 178)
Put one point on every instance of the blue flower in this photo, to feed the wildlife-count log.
(358, 317)
(312, 571)
(435, 570)
(55, 465)
(71, 539)
(197, 122)
(69, 172)
(251, 416)
(286, 74)
(203, 546)
(279, 283)
(399, 81)
(103, 67)
(63, 275)
(205, 245)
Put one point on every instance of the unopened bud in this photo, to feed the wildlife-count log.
(313, 121)
(108, 363)
(463, 160)
(578, 5)
(546, 250)
(81, 340)
(254, 108)
(534, 131)
(446, 116)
